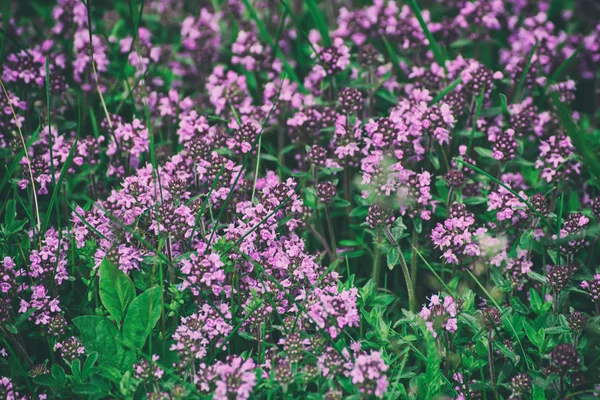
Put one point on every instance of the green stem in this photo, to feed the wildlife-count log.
(375, 269)
(405, 271)
(331, 234)
(256, 170)
(413, 258)
(491, 362)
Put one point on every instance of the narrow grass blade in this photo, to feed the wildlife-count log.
(524, 74)
(446, 90)
(18, 158)
(317, 15)
(450, 291)
(32, 181)
(393, 57)
(57, 185)
(437, 52)
(561, 69)
(264, 33)
(50, 139)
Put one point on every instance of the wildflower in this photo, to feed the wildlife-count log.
(454, 178)
(558, 277)
(440, 314)
(564, 358)
(592, 287)
(540, 203)
(334, 311)
(520, 385)
(326, 192)
(234, 377)
(368, 374)
(317, 155)
(505, 146)
(70, 349)
(577, 321)
(146, 371)
(349, 101)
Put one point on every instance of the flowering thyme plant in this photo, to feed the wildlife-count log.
(299, 199)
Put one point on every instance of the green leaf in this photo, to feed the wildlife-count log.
(534, 337)
(88, 366)
(519, 306)
(524, 74)
(433, 372)
(538, 393)
(116, 290)
(418, 224)
(99, 334)
(392, 257)
(45, 380)
(87, 388)
(535, 300)
(340, 203)
(446, 90)
(10, 212)
(504, 104)
(144, 312)
(59, 374)
(76, 370)
(475, 200)
(394, 59)
(483, 152)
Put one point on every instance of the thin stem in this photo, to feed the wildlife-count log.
(257, 165)
(18, 124)
(375, 271)
(331, 234)
(322, 240)
(407, 278)
(413, 258)
(491, 362)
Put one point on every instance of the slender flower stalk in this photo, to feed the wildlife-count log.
(409, 285)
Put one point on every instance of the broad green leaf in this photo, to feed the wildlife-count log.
(76, 370)
(99, 334)
(116, 290)
(534, 337)
(143, 313)
(45, 380)
(535, 300)
(538, 393)
(59, 374)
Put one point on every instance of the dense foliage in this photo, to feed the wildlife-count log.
(299, 199)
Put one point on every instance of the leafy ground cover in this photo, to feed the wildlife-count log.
(299, 199)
